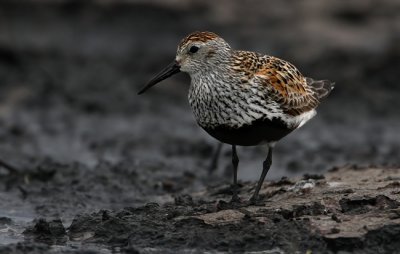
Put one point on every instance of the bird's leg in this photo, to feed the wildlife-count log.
(214, 160)
(235, 163)
(7, 166)
(266, 166)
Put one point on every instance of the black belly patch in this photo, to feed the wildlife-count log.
(259, 131)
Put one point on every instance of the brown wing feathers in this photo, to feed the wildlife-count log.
(288, 87)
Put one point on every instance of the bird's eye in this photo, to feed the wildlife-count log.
(193, 49)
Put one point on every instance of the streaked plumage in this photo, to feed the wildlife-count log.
(241, 97)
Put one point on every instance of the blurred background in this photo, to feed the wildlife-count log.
(70, 118)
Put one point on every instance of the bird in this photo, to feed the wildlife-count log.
(243, 98)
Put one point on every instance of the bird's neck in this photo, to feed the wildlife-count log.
(209, 78)
(214, 71)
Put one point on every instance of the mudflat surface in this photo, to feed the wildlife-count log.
(102, 169)
(351, 210)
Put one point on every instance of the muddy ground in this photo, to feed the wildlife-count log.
(130, 173)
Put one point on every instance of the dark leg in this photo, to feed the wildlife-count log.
(266, 165)
(235, 163)
(214, 161)
(7, 166)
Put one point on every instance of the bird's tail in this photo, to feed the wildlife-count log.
(321, 87)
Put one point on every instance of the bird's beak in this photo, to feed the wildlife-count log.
(167, 72)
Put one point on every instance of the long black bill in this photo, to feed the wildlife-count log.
(167, 72)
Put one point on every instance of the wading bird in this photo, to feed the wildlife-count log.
(243, 98)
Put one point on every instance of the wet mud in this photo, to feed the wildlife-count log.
(102, 170)
(343, 212)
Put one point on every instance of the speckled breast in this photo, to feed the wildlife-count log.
(232, 116)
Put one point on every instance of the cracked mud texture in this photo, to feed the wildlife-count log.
(92, 153)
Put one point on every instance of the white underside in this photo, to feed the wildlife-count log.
(300, 120)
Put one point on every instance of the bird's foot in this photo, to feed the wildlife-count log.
(234, 203)
(256, 201)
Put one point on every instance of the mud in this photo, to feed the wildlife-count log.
(122, 173)
(297, 217)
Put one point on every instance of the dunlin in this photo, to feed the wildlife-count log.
(243, 98)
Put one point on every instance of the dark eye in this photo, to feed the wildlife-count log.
(193, 49)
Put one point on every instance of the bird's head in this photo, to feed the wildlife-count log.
(197, 52)
(200, 51)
